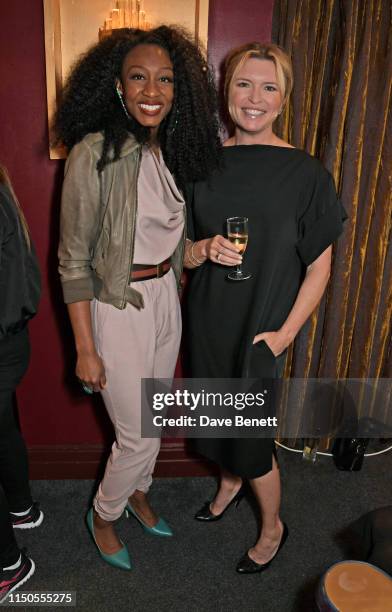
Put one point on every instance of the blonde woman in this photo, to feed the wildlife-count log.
(242, 329)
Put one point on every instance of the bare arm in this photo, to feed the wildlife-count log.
(89, 366)
(309, 295)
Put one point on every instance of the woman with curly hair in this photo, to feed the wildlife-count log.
(138, 116)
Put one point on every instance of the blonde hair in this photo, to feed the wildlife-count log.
(5, 180)
(267, 51)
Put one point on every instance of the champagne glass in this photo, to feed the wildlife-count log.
(237, 233)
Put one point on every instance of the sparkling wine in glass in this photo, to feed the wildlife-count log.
(237, 233)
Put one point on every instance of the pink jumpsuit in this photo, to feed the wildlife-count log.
(135, 344)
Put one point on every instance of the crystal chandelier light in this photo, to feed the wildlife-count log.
(126, 14)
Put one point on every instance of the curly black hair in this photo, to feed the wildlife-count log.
(188, 136)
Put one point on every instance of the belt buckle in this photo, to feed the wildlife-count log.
(159, 270)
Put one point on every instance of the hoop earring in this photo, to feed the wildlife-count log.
(120, 97)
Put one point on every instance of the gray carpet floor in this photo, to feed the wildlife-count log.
(194, 571)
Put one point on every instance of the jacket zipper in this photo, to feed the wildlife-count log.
(179, 286)
(132, 230)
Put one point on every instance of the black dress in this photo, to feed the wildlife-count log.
(294, 215)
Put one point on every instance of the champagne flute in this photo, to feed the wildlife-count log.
(237, 233)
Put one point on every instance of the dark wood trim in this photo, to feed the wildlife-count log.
(88, 461)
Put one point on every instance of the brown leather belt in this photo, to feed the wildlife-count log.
(142, 272)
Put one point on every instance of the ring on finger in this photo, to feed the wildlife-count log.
(218, 256)
(87, 389)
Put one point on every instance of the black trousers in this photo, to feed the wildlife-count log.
(15, 495)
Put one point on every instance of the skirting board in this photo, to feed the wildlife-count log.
(72, 461)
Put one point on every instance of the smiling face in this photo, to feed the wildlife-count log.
(255, 100)
(147, 85)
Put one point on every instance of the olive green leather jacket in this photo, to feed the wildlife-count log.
(97, 227)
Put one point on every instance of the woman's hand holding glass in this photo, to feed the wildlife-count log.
(220, 250)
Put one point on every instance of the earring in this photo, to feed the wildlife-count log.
(173, 129)
(120, 97)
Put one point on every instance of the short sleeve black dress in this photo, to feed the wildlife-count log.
(294, 215)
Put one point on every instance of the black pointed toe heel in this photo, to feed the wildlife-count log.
(246, 565)
(205, 515)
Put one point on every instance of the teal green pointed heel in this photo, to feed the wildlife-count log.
(119, 559)
(160, 529)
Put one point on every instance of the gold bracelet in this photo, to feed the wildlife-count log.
(194, 256)
(188, 254)
(192, 261)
